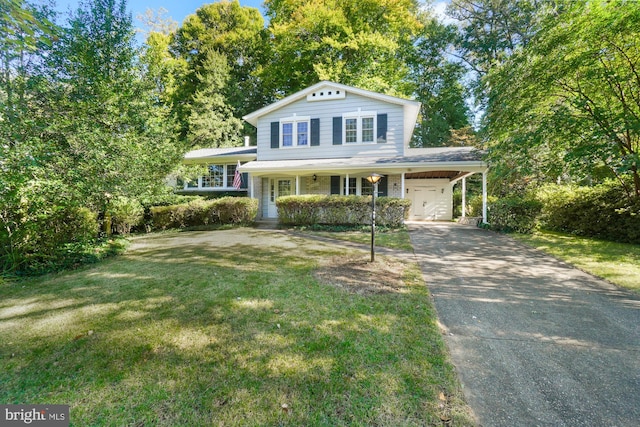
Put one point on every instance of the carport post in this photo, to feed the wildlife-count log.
(464, 197)
(484, 197)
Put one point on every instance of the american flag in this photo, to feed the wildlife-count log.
(237, 178)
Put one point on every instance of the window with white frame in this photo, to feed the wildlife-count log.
(359, 127)
(217, 176)
(294, 131)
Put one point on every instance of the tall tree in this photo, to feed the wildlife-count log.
(437, 79)
(211, 122)
(572, 95)
(113, 136)
(490, 31)
(356, 42)
(237, 33)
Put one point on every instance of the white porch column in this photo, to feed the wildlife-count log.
(346, 185)
(464, 197)
(250, 179)
(402, 186)
(484, 197)
(297, 185)
(199, 182)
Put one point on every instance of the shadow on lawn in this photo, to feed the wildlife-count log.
(193, 333)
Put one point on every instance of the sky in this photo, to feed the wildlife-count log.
(177, 9)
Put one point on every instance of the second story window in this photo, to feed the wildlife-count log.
(359, 127)
(294, 131)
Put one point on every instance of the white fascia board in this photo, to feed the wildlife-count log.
(230, 158)
(309, 168)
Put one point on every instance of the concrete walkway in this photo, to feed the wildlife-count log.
(535, 342)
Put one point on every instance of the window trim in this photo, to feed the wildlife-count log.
(359, 115)
(226, 179)
(294, 121)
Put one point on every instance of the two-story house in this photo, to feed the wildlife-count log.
(326, 139)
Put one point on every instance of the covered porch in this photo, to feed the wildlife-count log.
(425, 176)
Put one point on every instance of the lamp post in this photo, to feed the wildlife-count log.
(374, 178)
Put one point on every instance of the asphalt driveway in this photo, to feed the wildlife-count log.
(535, 341)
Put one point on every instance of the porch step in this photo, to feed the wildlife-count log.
(470, 220)
(267, 224)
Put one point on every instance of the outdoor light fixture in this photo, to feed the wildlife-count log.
(314, 177)
(374, 178)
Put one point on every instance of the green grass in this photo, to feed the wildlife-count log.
(618, 263)
(387, 238)
(190, 329)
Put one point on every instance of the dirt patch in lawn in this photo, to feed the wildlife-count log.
(354, 273)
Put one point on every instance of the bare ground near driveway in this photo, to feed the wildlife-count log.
(535, 341)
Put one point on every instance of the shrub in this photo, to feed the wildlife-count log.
(475, 205)
(234, 210)
(341, 210)
(515, 214)
(227, 210)
(604, 211)
(125, 213)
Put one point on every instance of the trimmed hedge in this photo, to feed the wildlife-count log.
(604, 211)
(515, 214)
(226, 210)
(341, 210)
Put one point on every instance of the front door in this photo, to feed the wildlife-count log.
(278, 187)
(423, 203)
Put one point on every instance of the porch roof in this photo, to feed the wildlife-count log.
(224, 154)
(459, 159)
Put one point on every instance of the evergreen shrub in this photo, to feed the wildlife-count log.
(341, 210)
(515, 214)
(226, 210)
(604, 211)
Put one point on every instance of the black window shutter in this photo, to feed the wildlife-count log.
(382, 186)
(382, 128)
(275, 134)
(315, 132)
(337, 130)
(335, 185)
(245, 180)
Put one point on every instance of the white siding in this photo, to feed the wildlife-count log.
(325, 111)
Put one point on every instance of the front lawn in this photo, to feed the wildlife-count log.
(230, 327)
(384, 237)
(618, 263)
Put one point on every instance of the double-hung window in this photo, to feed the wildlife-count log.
(294, 131)
(359, 127)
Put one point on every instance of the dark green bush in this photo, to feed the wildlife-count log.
(604, 211)
(44, 241)
(514, 214)
(341, 210)
(227, 210)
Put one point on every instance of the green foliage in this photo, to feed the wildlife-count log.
(125, 213)
(566, 104)
(211, 123)
(475, 204)
(438, 86)
(603, 211)
(234, 32)
(354, 42)
(341, 210)
(226, 210)
(514, 214)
